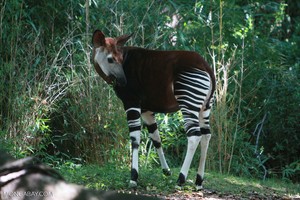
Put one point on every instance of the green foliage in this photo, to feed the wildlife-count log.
(173, 137)
(291, 170)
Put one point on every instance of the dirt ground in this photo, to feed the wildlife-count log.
(211, 195)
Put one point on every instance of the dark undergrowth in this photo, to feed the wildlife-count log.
(153, 182)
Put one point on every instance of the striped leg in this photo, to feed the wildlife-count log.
(150, 122)
(206, 135)
(191, 89)
(193, 136)
(134, 124)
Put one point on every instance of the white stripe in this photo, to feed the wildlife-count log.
(180, 101)
(206, 88)
(199, 77)
(136, 135)
(135, 159)
(134, 122)
(193, 142)
(204, 146)
(135, 152)
(134, 109)
(196, 113)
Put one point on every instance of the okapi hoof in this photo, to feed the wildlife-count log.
(167, 172)
(199, 187)
(181, 180)
(199, 181)
(132, 184)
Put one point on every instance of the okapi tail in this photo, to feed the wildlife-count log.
(213, 88)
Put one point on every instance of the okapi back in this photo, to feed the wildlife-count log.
(151, 74)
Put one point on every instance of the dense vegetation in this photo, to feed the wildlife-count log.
(54, 106)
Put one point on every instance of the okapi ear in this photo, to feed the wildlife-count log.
(121, 40)
(98, 39)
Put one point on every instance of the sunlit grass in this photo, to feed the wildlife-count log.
(245, 186)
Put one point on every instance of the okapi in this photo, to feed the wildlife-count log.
(151, 81)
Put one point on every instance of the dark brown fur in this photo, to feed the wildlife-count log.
(150, 76)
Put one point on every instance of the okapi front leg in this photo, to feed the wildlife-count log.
(134, 124)
(150, 122)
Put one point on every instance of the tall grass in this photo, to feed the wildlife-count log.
(51, 99)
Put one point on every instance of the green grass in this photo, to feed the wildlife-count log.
(152, 181)
(244, 187)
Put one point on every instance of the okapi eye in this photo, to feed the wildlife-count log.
(110, 60)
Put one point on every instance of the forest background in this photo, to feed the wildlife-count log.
(54, 106)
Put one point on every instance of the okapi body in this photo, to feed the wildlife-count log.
(150, 81)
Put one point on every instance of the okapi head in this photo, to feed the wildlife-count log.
(108, 57)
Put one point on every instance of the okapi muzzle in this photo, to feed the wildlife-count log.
(151, 81)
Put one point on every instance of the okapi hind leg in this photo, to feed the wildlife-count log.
(191, 90)
(151, 124)
(194, 137)
(200, 174)
(206, 135)
(193, 142)
(134, 124)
